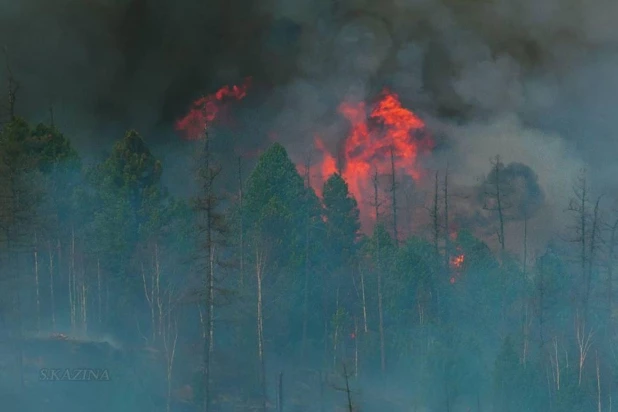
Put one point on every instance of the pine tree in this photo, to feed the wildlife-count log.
(342, 221)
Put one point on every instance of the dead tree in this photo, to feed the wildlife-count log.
(13, 86)
(376, 204)
(594, 246)
(610, 266)
(308, 224)
(241, 222)
(599, 405)
(579, 205)
(212, 223)
(497, 193)
(363, 297)
(280, 392)
(584, 341)
(376, 196)
(346, 389)
(447, 240)
(36, 282)
(169, 335)
(380, 305)
(52, 297)
(435, 221)
(434, 213)
(259, 274)
(393, 191)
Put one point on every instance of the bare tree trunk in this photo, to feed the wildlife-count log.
(501, 218)
(36, 282)
(336, 334)
(610, 269)
(52, 298)
(149, 300)
(579, 205)
(541, 308)
(106, 301)
(211, 301)
(362, 276)
(447, 240)
(380, 309)
(435, 218)
(84, 298)
(72, 288)
(280, 393)
(242, 229)
(376, 204)
(306, 268)
(170, 338)
(526, 333)
(525, 260)
(394, 197)
(592, 253)
(498, 193)
(13, 86)
(376, 199)
(355, 348)
(556, 364)
(157, 290)
(321, 391)
(347, 389)
(260, 324)
(598, 384)
(584, 341)
(99, 297)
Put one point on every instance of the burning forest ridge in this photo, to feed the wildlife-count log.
(384, 138)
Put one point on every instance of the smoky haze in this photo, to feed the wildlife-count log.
(534, 81)
(540, 74)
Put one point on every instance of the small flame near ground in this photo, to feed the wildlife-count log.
(457, 261)
(206, 109)
(379, 137)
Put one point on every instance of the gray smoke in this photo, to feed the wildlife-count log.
(533, 81)
(520, 194)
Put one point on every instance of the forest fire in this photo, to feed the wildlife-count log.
(206, 109)
(384, 137)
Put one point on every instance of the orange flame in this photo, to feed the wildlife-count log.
(389, 129)
(458, 261)
(206, 109)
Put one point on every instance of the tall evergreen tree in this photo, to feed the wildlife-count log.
(342, 220)
(128, 206)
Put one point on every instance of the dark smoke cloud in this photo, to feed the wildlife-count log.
(531, 80)
(130, 63)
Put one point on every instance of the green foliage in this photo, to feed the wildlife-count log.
(126, 207)
(279, 207)
(342, 220)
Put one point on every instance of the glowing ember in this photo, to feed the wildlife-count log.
(457, 261)
(206, 109)
(387, 129)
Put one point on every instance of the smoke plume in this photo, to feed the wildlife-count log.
(533, 81)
